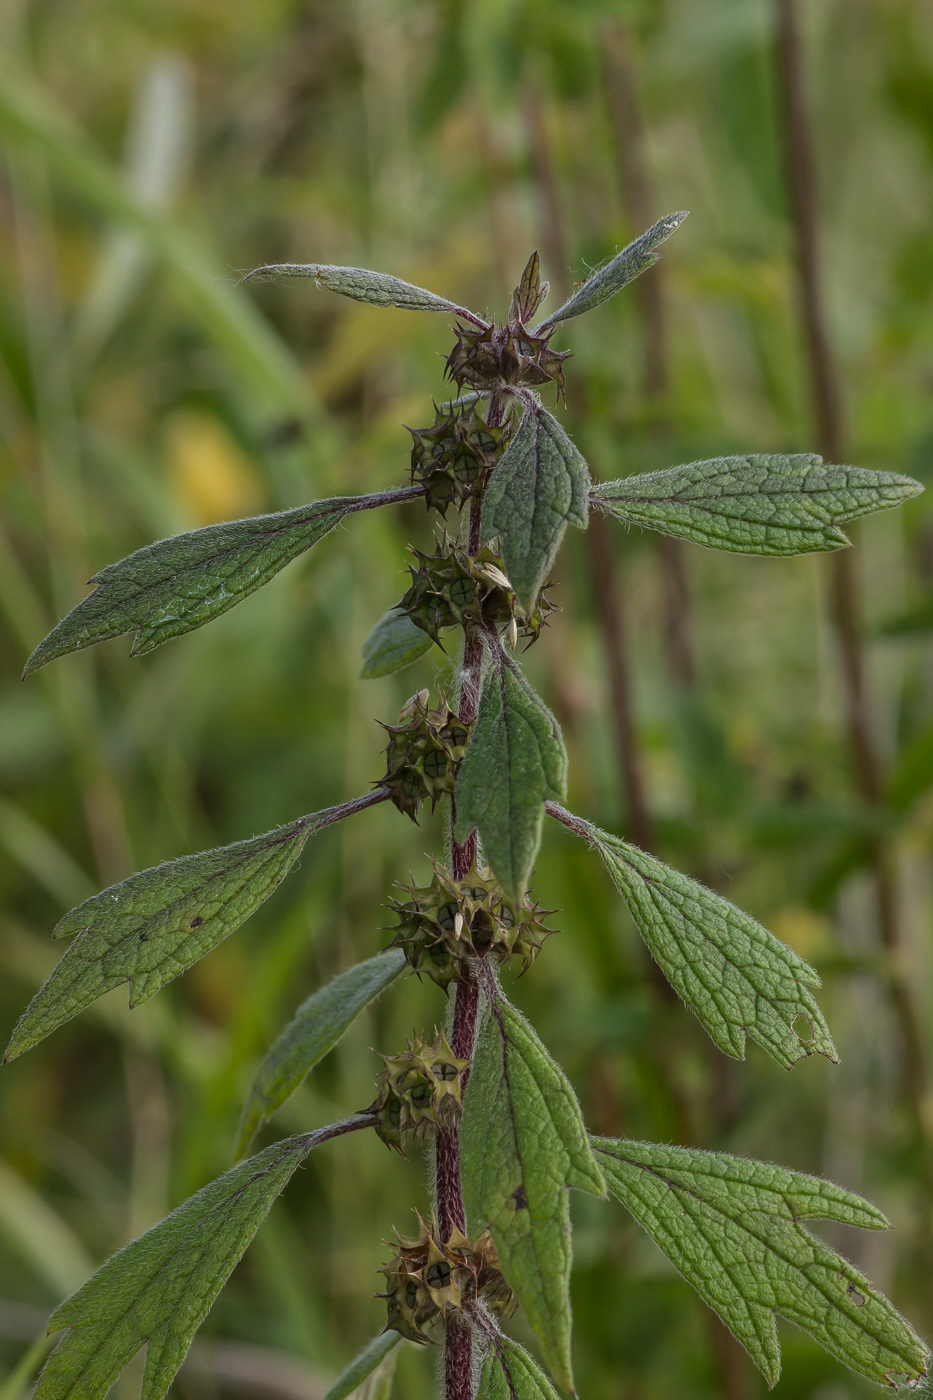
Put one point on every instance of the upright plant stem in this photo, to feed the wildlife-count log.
(826, 402)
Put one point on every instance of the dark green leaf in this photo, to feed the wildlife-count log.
(374, 288)
(619, 271)
(539, 485)
(394, 642)
(529, 293)
(754, 505)
(178, 584)
(736, 976)
(158, 1290)
(515, 761)
(522, 1144)
(315, 1029)
(509, 1373)
(364, 1366)
(156, 924)
(732, 1228)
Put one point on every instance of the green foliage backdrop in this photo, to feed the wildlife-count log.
(151, 154)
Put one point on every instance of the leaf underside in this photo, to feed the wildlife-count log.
(360, 284)
(394, 642)
(177, 585)
(363, 1366)
(509, 1373)
(516, 761)
(522, 1144)
(158, 1290)
(633, 260)
(778, 505)
(539, 486)
(733, 974)
(153, 926)
(732, 1228)
(314, 1030)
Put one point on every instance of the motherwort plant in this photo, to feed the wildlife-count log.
(509, 1138)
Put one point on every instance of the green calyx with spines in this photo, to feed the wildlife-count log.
(429, 1275)
(452, 588)
(453, 457)
(422, 754)
(417, 1090)
(444, 925)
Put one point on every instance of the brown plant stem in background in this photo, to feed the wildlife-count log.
(826, 400)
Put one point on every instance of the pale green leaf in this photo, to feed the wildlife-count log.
(633, 260)
(156, 924)
(314, 1030)
(732, 1228)
(509, 1373)
(515, 761)
(757, 504)
(158, 1290)
(522, 1144)
(178, 584)
(393, 643)
(539, 485)
(364, 1366)
(374, 288)
(736, 976)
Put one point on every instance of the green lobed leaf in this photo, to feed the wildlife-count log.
(633, 260)
(374, 288)
(364, 1366)
(759, 504)
(177, 585)
(522, 1144)
(158, 1290)
(393, 643)
(509, 1373)
(153, 926)
(314, 1030)
(732, 1228)
(539, 485)
(515, 761)
(733, 974)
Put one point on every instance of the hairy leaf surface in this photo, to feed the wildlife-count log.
(732, 1228)
(509, 1373)
(523, 1143)
(394, 642)
(374, 288)
(364, 1366)
(757, 504)
(156, 924)
(158, 1290)
(314, 1030)
(633, 260)
(736, 976)
(539, 485)
(179, 584)
(516, 760)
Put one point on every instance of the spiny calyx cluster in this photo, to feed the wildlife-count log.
(509, 354)
(445, 924)
(422, 1087)
(451, 588)
(422, 754)
(453, 457)
(428, 1275)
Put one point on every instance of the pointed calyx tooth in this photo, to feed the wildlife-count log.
(423, 752)
(418, 1089)
(429, 1275)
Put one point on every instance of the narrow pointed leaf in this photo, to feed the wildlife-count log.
(635, 259)
(540, 484)
(364, 1366)
(522, 1144)
(158, 1290)
(758, 504)
(732, 1228)
(393, 643)
(529, 293)
(156, 924)
(515, 762)
(509, 1373)
(374, 288)
(733, 974)
(314, 1030)
(177, 585)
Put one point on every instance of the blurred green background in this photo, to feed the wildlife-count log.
(151, 154)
